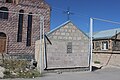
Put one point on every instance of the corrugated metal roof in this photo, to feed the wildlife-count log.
(106, 34)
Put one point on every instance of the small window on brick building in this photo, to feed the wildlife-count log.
(105, 45)
(69, 47)
(20, 26)
(29, 30)
(9, 1)
(4, 13)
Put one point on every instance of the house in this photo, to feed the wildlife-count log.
(106, 47)
(20, 26)
(69, 47)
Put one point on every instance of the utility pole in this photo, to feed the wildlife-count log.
(91, 38)
(41, 52)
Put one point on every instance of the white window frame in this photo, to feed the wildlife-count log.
(105, 45)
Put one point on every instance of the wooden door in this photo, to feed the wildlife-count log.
(2, 44)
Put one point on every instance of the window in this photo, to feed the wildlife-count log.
(20, 26)
(2, 34)
(8, 1)
(93, 45)
(104, 45)
(69, 47)
(29, 30)
(4, 15)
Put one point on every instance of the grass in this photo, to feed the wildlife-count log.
(17, 69)
(97, 62)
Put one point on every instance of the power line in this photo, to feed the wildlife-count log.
(77, 14)
(68, 13)
(106, 20)
(20, 13)
(58, 8)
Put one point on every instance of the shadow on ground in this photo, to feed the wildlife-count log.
(95, 68)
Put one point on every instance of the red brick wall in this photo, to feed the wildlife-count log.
(10, 26)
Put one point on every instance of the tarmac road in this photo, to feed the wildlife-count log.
(110, 73)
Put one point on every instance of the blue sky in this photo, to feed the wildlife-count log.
(83, 10)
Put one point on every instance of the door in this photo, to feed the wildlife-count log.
(2, 42)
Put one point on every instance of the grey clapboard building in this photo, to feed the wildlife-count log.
(69, 48)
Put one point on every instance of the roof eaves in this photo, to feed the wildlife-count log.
(107, 37)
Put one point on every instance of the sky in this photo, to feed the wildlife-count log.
(82, 11)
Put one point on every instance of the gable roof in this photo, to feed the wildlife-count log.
(106, 34)
(53, 30)
(69, 21)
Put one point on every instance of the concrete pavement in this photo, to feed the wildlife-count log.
(103, 74)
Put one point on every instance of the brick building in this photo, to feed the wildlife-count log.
(69, 49)
(18, 32)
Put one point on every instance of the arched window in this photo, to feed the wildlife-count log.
(2, 34)
(20, 26)
(29, 30)
(9, 1)
(4, 13)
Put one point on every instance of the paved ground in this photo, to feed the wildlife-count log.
(103, 74)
